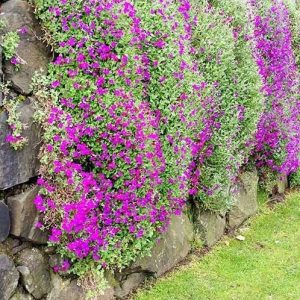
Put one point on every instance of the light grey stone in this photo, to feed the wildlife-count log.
(35, 274)
(67, 289)
(21, 295)
(9, 277)
(129, 283)
(172, 248)
(209, 226)
(245, 199)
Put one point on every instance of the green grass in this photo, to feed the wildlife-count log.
(264, 266)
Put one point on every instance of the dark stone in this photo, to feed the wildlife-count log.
(245, 199)
(4, 222)
(24, 217)
(19, 166)
(34, 270)
(17, 14)
(9, 277)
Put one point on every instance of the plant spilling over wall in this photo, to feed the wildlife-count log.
(278, 133)
(294, 14)
(225, 58)
(121, 133)
(146, 104)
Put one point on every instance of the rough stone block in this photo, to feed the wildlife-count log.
(172, 248)
(24, 217)
(210, 226)
(4, 222)
(18, 14)
(65, 289)
(35, 274)
(19, 166)
(245, 199)
(129, 283)
(9, 277)
(21, 295)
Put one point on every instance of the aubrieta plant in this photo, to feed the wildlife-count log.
(10, 42)
(151, 102)
(10, 106)
(121, 136)
(278, 134)
(225, 58)
(294, 13)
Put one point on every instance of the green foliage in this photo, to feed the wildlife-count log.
(155, 90)
(295, 179)
(225, 59)
(10, 43)
(2, 25)
(294, 10)
(162, 96)
(10, 106)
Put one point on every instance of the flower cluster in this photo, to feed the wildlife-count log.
(11, 106)
(122, 134)
(278, 134)
(230, 72)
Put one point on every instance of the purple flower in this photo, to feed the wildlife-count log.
(55, 84)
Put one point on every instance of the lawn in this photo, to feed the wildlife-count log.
(266, 265)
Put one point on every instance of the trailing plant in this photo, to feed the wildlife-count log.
(120, 135)
(294, 13)
(10, 43)
(278, 135)
(10, 106)
(295, 179)
(224, 57)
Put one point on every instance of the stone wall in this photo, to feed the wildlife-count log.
(25, 261)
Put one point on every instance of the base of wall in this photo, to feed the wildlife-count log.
(26, 263)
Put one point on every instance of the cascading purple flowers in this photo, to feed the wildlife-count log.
(278, 133)
(114, 169)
